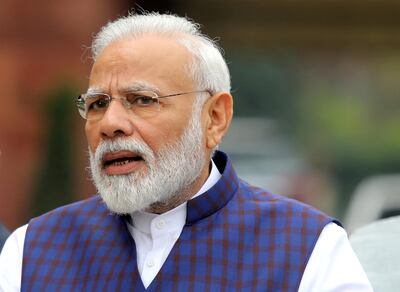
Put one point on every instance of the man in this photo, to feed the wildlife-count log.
(170, 218)
(376, 245)
(3, 235)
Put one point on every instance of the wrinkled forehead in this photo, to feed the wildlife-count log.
(151, 59)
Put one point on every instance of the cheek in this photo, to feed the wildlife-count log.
(163, 133)
(156, 136)
(92, 138)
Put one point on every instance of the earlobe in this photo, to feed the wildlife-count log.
(219, 116)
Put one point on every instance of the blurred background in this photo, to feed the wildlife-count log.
(315, 85)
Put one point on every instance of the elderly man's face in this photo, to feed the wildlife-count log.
(168, 148)
(155, 61)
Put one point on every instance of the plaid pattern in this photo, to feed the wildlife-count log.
(237, 238)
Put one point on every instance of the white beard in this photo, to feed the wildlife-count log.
(167, 173)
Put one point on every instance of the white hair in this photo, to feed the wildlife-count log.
(208, 69)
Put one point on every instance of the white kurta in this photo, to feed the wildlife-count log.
(333, 265)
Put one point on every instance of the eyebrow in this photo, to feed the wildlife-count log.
(140, 86)
(136, 86)
(94, 90)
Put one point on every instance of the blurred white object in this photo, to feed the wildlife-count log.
(374, 198)
(376, 246)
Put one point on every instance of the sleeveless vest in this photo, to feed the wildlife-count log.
(236, 238)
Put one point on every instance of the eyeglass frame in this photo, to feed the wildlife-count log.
(125, 102)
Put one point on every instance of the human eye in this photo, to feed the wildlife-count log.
(96, 102)
(141, 99)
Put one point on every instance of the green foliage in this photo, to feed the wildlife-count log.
(351, 130)
(355, 138)
(342, 111)
(54, 181)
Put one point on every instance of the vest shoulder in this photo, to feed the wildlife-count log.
(263, 199)
(91, 205)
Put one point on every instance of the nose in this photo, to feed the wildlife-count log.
(116, 121)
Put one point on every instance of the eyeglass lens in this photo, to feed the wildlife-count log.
(143, 104)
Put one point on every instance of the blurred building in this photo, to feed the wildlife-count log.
(42, 45)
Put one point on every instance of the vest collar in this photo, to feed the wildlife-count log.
(216, 197)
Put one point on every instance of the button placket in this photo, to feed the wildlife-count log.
(150, 263)
(160, 224)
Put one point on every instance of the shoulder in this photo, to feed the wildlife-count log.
(86, 204)
(333, 264)
(3, 235)
(241, 195)
(76, 221)
(78, 211)
(376, 246)
(11, 261)
(384, 227)
(278, 205)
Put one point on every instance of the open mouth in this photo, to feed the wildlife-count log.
(121, 162)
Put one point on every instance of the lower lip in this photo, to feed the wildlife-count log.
(126, 168)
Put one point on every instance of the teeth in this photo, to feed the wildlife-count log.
(121, 162)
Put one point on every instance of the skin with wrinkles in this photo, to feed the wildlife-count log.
(160, 63)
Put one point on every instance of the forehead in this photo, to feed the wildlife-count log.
(156, 60)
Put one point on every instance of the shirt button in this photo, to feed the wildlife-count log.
(160, 224)
(150, 263)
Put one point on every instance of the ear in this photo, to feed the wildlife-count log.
(218, 111)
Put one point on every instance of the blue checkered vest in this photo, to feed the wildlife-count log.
(237, 238)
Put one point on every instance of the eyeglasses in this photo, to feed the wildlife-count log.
(145, 104)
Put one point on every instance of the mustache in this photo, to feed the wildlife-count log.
(121, 144)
